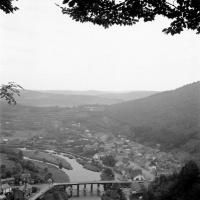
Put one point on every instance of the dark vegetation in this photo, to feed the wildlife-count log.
(7, 6)
(184, 185)
(107, 174)
(113, 193)
(183, 14)
(108, 160)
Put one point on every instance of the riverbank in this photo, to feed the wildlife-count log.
(92, 166)
(57, 174)
(78, 172)
(47, 157)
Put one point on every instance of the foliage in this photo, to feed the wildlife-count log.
(8, 91)
(7, 6)
(183, 13)
(107, 174)
(109, 160)
(48, 176)
(185, 185)
(60, 165)
(113, 193)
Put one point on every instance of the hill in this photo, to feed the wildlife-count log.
(122, 96)
(127, 96)
(171, 118)
(44, 99)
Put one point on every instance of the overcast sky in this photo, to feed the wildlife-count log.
(40, 48)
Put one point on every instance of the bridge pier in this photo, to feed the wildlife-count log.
(71, 191)
(98, 190)
(91, 188)
(84, 190)
(77, 190)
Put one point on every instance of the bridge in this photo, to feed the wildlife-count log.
(76, 186)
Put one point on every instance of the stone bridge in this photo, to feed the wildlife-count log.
(74, 188)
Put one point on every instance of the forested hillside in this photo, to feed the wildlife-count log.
(171, 118)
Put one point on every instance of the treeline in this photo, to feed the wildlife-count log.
(184, 185)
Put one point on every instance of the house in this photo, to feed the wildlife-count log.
(139, 178)
(5, 188)
(98, 156)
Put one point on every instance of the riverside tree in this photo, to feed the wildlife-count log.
(183, 14)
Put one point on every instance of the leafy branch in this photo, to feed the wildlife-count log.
(8, 92)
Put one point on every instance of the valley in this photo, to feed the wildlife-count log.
(134, 140)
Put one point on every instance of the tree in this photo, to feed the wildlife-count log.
(2, 168)
(184, 14)
(109, 160)
(60, 165)
(48, 176)
(8, 92)
(20, 155)
(113, 193)
(7, 6)
(46, 170)
(185, 185)
(107, 174)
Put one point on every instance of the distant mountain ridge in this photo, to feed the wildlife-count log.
(170, 118)
(75, 98)
(123, 96)
(44, 99)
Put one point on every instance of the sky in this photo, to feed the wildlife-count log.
(42, 49)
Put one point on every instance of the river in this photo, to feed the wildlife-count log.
(77, 174)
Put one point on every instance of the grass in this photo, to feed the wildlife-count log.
(43, 156)
(58, 175)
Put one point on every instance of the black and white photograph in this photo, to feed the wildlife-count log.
(99, 99)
